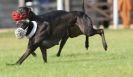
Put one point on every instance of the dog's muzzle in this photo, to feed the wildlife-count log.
(20, 33)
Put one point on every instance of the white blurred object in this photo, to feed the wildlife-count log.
(21, 3)
(29, 3)
(115, 14)
(35, 7)
(59, 4)
(20, 33)
(67, 5)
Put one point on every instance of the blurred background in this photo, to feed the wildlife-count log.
(114, 15)
(104, 13)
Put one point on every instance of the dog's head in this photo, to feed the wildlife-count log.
(21, 13)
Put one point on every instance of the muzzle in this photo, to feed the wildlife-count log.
(20, 33)
(17, 16)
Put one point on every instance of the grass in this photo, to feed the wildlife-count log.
(75, 60)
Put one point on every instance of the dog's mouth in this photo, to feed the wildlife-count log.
(20, 33)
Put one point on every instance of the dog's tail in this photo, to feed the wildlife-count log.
(83, 6)
(84, 10)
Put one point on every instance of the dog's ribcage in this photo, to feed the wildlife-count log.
(58, 32)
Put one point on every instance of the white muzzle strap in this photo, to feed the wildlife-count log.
(33, 31)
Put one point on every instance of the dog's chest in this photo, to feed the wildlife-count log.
(50, 43)
(53, 40)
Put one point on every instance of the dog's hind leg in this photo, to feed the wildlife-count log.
(87, 42)
(86, 26)
(44, 53)
(101, 33)
(63, 41)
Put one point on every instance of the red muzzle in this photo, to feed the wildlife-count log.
(16, 16)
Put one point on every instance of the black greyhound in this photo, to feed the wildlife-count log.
(46, 17)
(56, 26)
(28, 14)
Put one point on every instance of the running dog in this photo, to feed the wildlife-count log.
(47, 30)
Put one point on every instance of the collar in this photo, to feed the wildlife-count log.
(33, 31)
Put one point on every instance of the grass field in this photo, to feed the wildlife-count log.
(75, 60)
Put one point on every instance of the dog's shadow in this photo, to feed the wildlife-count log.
(88, 57)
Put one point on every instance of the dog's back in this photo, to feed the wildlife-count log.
(76, 21)
(52, 16)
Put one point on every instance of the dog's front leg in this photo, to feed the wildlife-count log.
(23, 57)
(44, 53)
(63, 41)
(30, 49)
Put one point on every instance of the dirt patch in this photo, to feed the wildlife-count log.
(6, 30)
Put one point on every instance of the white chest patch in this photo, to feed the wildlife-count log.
(33, 31)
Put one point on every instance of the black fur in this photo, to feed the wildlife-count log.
(58, 26)
(54, 27)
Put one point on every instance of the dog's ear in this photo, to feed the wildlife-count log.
(23, 9)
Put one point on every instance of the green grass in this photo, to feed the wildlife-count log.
(75, 60)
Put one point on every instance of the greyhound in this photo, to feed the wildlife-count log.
(51, 28)
(23, 13)
(26, 13)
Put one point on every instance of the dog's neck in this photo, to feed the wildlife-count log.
(31, 29)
